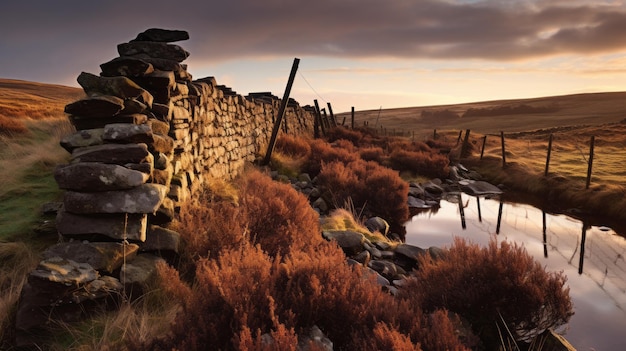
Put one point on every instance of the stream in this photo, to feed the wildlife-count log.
(592, 257)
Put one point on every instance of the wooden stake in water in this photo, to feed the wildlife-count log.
(545, 236)
(462, 212)
(499, 217)
(581, 261)
(480, 216)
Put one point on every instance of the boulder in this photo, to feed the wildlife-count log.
(350, 242)
(138, 274)
(91, 176)
(145, 198)
(119, 154)
(128, 133)
(96, 106)
(407, 256)
(314, 339)
(116, 226)
(377, 224)
(153, 49)
(120, 87)
(162, 35)
(479, 187)
(101, 256)
(82, 138)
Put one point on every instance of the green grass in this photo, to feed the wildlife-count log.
(27, 164)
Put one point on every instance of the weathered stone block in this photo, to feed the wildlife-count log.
(126, 66)
(102, 256)
(81, 122)
(160, 239)
(117, 226)
(113, 153)
(91, 176)
(128, 133)
(82, 138)
(97, 107)
(162, 35)
(145, 198)
(120, 87)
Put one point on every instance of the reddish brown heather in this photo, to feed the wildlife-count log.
(372, 153)
(407, 145)
(354, 136)
(378, 189)
(420, 162)
(322, 152)
(485, 285)
(292, 146)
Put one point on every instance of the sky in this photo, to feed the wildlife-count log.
(363, 53)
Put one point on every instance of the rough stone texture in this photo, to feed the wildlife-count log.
(153, 49)
(81, 122)
(160, 239)
(117, 226)
(145, 198)
(128, 133)
(162, 35)
(101, 256)
(113, 154)
(126, 66)
(120, 87)
(82, 138)
(97, 107)
(350, 242)
(138, 274)
(479, 187)
(91, 176)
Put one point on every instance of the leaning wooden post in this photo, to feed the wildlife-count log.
(325, 119)
(503, 150)
(464, 147)
(545, 235)
(548, 157)
(499, 216)
(435, 134)
(462, 212)
(318, 115)
(281, 111)
(590, 165)
(482, 149)
(352, 125)
(458, 140)
(583, 238)
(332, 115)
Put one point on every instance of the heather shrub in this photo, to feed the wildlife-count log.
(373, 153)
(423, 163)
(322, 152)
(408, 145)
(275, 215)
(292, 146)
(489, 285)
(354, 136)
(378, 190)
(344, 144)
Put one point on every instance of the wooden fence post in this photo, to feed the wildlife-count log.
(352, 125)
(318, 115)
(482, 149)
(548, 157)
(458, 140)
(464, 147)
(462, 212)
(281, 111)
(435, 134)
(503, 150)
(590, 165)
(332, 115)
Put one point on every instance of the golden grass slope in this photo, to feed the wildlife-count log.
(578, 109)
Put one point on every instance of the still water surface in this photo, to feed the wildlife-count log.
(592, 257)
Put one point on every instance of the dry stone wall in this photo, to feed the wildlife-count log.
(147, 137)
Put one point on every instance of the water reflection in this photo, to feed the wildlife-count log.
(592, 256)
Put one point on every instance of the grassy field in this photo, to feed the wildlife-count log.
(501, 115)
(32, 122)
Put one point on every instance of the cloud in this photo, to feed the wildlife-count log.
(59, 34)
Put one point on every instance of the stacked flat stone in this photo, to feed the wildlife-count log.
(146, 138)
